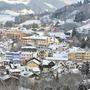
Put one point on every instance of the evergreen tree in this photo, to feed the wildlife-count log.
(79, 17)
(9, 24)
(80, 3)
(74, 32)
(83, 43)
(86, 2)
(82, 87)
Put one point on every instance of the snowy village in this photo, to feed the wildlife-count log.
(44, 44)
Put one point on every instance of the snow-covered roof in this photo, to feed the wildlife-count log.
(28, 37)
(63, 55)
(45, 62)
(36, 69)
(58, 34)
(55, 67)
(14, 70)
(28, 53)
(56, 59)
(35, 61)
(26, 73)
(53, 46)
(27, 31)
(8, 52)
(75, 49)
(38, 37)
(29, 47)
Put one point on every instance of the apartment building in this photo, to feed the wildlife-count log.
(37, 40)
(79, 56)
(15, 33)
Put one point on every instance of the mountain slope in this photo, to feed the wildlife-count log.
(36, 5)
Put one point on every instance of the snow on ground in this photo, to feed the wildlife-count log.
(28, 22)
(25, 11)
(58, 34)
(5, 18)
(75, 71)
(9, 12)
(74, 49)
(50, 5)
(14, 13)
(87, 26)
(63, 55)
(53, 46)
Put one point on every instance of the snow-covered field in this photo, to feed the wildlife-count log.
(4, 18)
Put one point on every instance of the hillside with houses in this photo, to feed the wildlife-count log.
(48, 50)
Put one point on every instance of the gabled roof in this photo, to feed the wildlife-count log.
(35, 60)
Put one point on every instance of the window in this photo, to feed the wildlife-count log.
(48, 88)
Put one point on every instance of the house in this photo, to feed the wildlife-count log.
(46, 65)
(33, 63)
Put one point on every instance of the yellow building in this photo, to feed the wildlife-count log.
(41, 40)
(87, 55)
(79, 56)
(26, 40)
(37, 40)
(33, 64)
(76, 56)
(15, 33)
(71, 56)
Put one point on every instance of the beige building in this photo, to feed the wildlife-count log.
(87, 55)
(26, 40)
(37, 40)
(34, 63)
(15, 33)
(79, 56)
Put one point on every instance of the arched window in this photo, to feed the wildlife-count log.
(48, 88)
